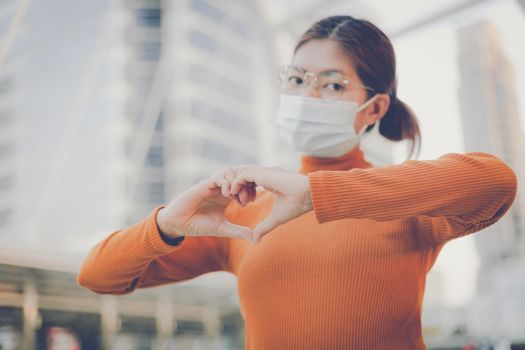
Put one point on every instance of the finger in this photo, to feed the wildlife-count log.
(237, 231)
(241, 204)
(225, 177)
(216, 183)
(230, 174)
(223, 180)
(264, 178)
(225, 189)
(263, 228)
(253, 193)
(244, 195)
(252, 168)
(240, 181)
(221, 183)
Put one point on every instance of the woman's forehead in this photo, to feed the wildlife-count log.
(323, 55)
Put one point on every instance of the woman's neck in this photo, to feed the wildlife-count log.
(352, 159)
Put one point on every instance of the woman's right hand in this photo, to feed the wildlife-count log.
(199, 211)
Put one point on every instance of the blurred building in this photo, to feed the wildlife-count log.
(491, 124)
(106, 111)
(7, 144)
(199, 77)
(164, 94)
(58, 127)
(140, 32)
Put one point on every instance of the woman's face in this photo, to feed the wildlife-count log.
(326, 55)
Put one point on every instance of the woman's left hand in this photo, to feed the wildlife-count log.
(292, 192)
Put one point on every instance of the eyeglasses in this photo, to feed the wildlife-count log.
(330, 85)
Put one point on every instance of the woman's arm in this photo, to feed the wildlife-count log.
(138, 257)
(458, 193)
(463, 193)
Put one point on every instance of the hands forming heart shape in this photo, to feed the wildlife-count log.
(199, 211)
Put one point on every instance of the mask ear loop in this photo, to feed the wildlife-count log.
(367, 103)
(361, 132)
(363, 106)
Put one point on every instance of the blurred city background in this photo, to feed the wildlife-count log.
(110, 108)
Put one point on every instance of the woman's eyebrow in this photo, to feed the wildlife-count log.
(340, 71)
(334, 70)
(324, 71)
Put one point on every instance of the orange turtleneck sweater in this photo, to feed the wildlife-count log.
(348, 275)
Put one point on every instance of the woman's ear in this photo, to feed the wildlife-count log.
(377, 108)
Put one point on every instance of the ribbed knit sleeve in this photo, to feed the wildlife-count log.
(138, 257)
(462, 193)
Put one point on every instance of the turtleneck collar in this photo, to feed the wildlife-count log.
(353, 159)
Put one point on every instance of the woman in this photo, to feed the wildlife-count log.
(343, 247)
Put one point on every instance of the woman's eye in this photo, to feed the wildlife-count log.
(295, 80)
(334, 87)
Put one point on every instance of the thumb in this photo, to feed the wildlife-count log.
(232, 230)
(265, 226)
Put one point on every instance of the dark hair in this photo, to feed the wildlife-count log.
(374, 60)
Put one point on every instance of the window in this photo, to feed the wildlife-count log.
(149, 50)
(206, 42)
(6, 149)
(148, 17)
(5, 214)
(5, 117)
(155, 157)
(206, 9)
(225, 154)
(4, 86)
(202, 40)
(231, 122)
(220, 83)
(5, 183)
(156, 192)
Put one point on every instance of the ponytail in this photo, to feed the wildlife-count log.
(400, 123)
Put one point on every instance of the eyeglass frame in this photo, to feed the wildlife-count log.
(309, 75)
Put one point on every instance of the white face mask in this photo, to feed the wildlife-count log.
(319, 128)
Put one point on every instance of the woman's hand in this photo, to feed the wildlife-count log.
(199, 211)
(292, 192)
